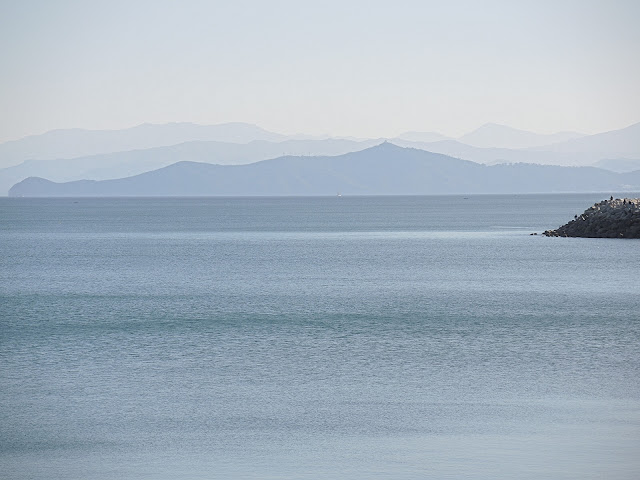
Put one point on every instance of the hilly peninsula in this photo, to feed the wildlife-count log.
(385, 169)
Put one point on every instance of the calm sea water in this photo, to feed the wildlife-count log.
(320, 338)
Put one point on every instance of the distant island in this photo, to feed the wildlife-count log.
(613, 218)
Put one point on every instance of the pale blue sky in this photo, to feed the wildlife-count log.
(362, 68)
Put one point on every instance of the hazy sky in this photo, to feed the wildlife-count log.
(361, 68)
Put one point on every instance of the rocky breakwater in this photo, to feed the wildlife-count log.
(614, 218)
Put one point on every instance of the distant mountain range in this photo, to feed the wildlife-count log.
(492, 156)
(623, 143)
(620, 165)
(72, 143)
(122, 153)
(123, 164)
(493, 135)
(385, 169)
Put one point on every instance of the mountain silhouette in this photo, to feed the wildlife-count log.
(76, 142)
(622, 143)
(493, 135)
(385, 169)
(133, 162)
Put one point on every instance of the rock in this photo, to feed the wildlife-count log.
(614, 218)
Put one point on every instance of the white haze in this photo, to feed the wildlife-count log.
(366, 69)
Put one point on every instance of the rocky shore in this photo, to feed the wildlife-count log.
(614, 218)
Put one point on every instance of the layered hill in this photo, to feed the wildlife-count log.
(623, 143)
(108, 166)
(121, 153)
(493, 135)
(385, 169)
(493, 144)
(77, 142)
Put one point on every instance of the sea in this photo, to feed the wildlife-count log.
(427, 337)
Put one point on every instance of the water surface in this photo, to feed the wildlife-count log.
(364, 337)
